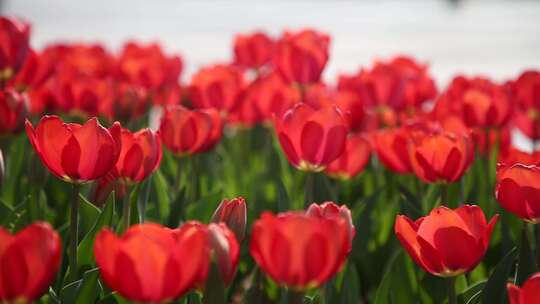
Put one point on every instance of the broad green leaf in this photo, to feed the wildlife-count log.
(88, 214)
(163, 203)
(88, 289)
(471, 292)
(495, 289)
(383, 295)
(526, 264)
(215, 288)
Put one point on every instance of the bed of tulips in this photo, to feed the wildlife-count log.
(256, 182)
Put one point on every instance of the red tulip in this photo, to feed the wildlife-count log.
(14, 46)
(29, 261)
(75, 153)
(446, 242)
(513, 156)
(529, 293)
(84, 95)
(311, 139)
(272, 96)
(331, 210)
(253, 50)
(299, 250)
(151, 263)
(353, 159)
(518, 191)
(391, 147)
(440, 155)
(218, 87)
(79, 60)
(526, 95)
(300, 57)
(129, 102)
(234, 214)
(13, 111)
(140, 155)
(186, 131)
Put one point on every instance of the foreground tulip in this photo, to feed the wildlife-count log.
(29, 261)
(518, 191)
(528, 293)
(13, 111)
(151, 263)
(14, 46)
(187, 132)
(311, 139)
(298, 250)
(446, 242)
(253, 50)
(331, 210)
(234, 214)
(353, 159)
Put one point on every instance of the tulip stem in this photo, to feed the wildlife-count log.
(452, 299)
(295, 297)
(74, 231)
(126, 209)
(309, 188)
(444, 194)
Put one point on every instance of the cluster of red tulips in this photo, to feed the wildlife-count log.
(383, 135)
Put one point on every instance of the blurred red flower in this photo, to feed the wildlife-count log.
(234, 214)
(14, 46)
(391, 146)
(526, 95)
(353, 159)
(253, 50)
(13, 111)
(518, 191)
(331, 210)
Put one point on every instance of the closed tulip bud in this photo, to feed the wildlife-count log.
(151, 263)
(353, 160)
(73, 152)
(234, 214)
(13, 111)
(298, 250)
(518, 191)
(187, 132)
(311, 139)
(332, 210)
(140, 155)
(14, 46)
(29, 261)
(446, 242)
(253, 50)
(527, 294)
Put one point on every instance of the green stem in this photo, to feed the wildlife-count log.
(142, 214)
(309, 188)
(295, 297)
(452, 299)
(176, 186)
(126, 209)
(444, 194)
(74, 230)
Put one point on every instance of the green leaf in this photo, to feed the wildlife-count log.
(215, 288)
(471, 292)
(283, 201)
(350, 291)
(88, 214)
(495, 289)
(88, 289)
(383, 294)
(526, 264)
(163, 203)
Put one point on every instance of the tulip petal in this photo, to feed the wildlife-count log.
(71, 155)
(530, 291)
(514, 294)
(131, 288)
(310, 142)
(316, 260)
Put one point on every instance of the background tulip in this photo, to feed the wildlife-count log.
(140, 155)
(29, 261)
(14, 46)
(332, 210)
(391, 146)
(528, 293)
(234, 214)
(253, 50)
(446, 242)
(13, 111)
(518, 191)
(353, 159)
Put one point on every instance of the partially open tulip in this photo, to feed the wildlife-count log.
(528, 293)
(440, 156)
(446, 242)
(186, 132)
(13, 111)
(14, 46)
(29, 261)
(312, 139)
(299, 250)
(353, 159)
(518, 191)
(73, 152)
(151, 263)
(253, 50)
(140, 155)
(300, 57)
(234, 214)
(391, 146)
(332, 211)
(217, 87)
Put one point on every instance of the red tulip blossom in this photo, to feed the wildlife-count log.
(129, 102)
(151, 263)
(526, 95)
(13, 111)
(312, 139)
(88, 96)
(140, 155)
(218, 87)
(298, 250)
(234, 214)
(14, 46)
(332, 210)
(529, 292)
(79, 60)
(186, 132)
(518, 191)
(391, 146)
(75, 153)
(253, 50)
(300, 57)
(446, 242)
(353, 159)
(29, 261)
(514, 156)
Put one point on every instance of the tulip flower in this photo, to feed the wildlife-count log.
(439, 156)
(13, 111)
(528, 293)
(300, 57)
(513, 156)
(217, 87)
(151, 263)
(14, 46)
(526, 95)
(447, 242)
(140, 155)
(298, 250)
(391, 146)
(253, 50)
(518, 191)
(87, 96)
(312, 139)
(187, 132)
(75, 153)
(234, 214)
(353, 159)
(29, 261)
(331, 210)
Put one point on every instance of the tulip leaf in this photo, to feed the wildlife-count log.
(215, 288)
(351, 285)
(88, 215)
(283, 201)
(384, 292)
(475, 298)
(471, 292)
(495, 289)
(88, 288)
(85, 250)
(526, 264)
(160, 186)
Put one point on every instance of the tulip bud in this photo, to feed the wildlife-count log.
(233, 214)
(332, 210)
(2, 168)
(224, 249)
